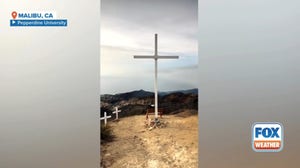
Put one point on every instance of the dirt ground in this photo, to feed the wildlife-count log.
(134, 146)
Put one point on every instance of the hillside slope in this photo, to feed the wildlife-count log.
(137, 102)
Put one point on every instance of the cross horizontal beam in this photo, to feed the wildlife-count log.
(154, 57)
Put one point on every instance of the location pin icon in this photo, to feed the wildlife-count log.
(14, 14)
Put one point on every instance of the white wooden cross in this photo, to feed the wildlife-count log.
(155, 57)
(105, 118)
(117, 113)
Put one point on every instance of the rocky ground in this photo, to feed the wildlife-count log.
(174, 145)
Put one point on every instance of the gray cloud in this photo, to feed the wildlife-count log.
(127, 29)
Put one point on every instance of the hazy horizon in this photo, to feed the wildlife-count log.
(161, 91)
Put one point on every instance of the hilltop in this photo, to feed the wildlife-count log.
(175, 145)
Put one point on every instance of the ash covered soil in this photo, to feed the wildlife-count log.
(174, 145)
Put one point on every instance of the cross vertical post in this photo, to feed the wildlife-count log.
(155, 57)
(155, 43)
(155, 79)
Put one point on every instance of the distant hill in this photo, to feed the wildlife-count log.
(136, 102)
(192, 91)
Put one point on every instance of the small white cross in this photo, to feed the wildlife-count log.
(117, 113)
(105, 118)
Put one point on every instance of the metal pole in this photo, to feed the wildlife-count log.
(155, 90)
(155, 42)
(155, 80)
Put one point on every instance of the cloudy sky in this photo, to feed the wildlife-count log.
(128, 28)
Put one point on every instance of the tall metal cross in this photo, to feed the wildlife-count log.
(155, 57)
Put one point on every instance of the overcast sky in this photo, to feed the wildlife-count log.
(128, 28)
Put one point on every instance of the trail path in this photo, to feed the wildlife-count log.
(135, 146)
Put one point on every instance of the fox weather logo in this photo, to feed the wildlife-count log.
(267, 137)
